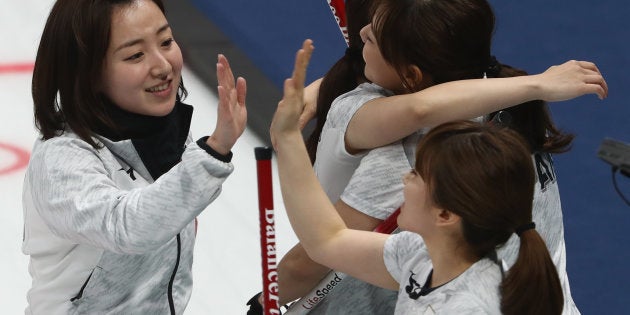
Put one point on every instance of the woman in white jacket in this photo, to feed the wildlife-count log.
(115, 182)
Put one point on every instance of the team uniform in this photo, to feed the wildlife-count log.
(103, 236)
(370, 182)
(375, 188)
(334, 165)
(547, 214)
(475, 291)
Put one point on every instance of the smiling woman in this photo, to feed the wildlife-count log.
(143, 63)
(102, 232)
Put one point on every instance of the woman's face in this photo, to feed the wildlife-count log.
(416, 212)
(377, 69)
(143, 64)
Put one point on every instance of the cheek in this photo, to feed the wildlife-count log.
(127, 78)
(121, 83)
(409, 218)
(414, 200)
(407, 207)
(368, 56)
(176, 59)
(113, 82)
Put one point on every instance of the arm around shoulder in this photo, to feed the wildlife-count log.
(385, 120)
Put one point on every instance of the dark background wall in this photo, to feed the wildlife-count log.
(260, 39)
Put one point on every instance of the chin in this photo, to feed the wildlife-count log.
(165, 110)
(157, 110)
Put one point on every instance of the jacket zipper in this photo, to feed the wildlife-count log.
(80, 294)
(171, 304)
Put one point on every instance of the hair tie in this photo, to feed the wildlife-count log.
(493, 69)
(528, 226)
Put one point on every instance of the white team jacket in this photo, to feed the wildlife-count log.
(102, 236)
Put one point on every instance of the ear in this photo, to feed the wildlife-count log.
(446, 218)
(416, 78)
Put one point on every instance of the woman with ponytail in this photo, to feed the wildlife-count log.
(345, 75)
(444, 262)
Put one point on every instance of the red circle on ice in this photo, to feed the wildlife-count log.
(18, 158)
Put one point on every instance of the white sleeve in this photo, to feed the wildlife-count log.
(401, 249)
(73, 193)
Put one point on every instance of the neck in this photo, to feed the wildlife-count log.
(450, 258)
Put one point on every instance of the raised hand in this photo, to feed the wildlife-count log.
(231, 112)
(290, 108)
(572, 79)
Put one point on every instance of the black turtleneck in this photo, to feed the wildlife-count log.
(160, 141)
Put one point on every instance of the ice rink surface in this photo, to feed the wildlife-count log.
(227, 255)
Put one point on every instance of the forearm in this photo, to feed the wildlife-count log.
(468, 99)
(375, 125)
(311, 91)
(450, 101)
(312, 216)
(372, 126)
(298, 274)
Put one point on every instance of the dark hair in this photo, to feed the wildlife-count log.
(533, 121)
(451, 40)
(345, 74)
(484, 174)
(69, 65)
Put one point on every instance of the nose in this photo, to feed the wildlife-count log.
(160, 66)
(363, 32)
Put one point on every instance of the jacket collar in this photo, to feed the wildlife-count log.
(150, 145)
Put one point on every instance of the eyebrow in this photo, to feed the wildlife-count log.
(139, 40)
